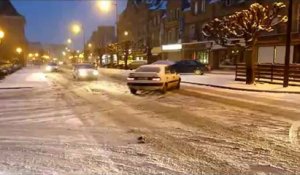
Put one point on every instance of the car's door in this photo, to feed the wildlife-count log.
(180, 66)
(191, 66)
(170, 74)
(175, 76)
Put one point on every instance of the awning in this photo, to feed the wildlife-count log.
(156, 50)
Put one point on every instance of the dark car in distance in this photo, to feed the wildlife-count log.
(189, 66)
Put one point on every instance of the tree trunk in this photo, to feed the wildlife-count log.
(250, 74)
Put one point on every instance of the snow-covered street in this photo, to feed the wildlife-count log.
(51, 124)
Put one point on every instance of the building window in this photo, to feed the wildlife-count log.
(203, 5)
(158, 19)
(202, 56)
(228, 2)
(196, 8)
(192, 30)
(178, 13)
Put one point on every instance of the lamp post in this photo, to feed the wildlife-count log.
(19, 51)
(288, 45)
(76, 29)
(105, 6)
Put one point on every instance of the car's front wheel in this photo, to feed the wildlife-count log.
(133, 91)
(198, 72)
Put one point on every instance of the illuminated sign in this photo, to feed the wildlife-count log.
(171, 47)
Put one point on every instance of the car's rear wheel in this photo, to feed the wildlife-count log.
(198, 72)
(133, 91)
(164, 89)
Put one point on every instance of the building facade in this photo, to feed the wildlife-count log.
(103, 36)
(174, 31)
(12, 23)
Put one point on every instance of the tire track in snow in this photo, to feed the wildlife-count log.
(294, 133)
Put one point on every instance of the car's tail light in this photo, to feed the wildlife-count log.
(130, 78)
(156, 79)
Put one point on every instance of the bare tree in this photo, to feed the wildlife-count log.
(247, 25)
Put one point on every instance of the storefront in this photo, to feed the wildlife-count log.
(172, 52)
(271, 49)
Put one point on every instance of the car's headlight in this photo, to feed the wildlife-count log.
(82, 73)
(95, 72)
(130, 78)
(48, 68)
(156, 79)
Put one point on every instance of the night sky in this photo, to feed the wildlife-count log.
(48, 21)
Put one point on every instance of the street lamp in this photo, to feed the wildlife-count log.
(90, 45)
(126, 33)
(2, 34)
(19, 50)
(69, 41)
(76, 29)
(36, 54)
(105, 6)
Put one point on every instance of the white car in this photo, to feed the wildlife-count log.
(85, 71)
(153, 77)
(51, 67)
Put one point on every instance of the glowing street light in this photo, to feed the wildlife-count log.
(69, 41)
(104, 5)
(36, 54)
(30, 55)
(76, 28)
(2, 34)
(126, 33)
(64, 53)
(90, 45)
(19, 50)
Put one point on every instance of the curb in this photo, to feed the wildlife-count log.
(241, 89)
(12, 88)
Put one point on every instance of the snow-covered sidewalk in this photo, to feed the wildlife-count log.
(219, 79)
(28, 77)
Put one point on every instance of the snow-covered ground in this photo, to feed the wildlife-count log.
(66, 127)
(215, 78)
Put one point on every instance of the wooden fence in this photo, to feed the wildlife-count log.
(270, 73)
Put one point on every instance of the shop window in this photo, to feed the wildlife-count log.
(202, 57)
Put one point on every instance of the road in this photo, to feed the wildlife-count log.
(60, 126)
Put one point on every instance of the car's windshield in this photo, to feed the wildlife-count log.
(148, 69)
(52, 64)
(84, 66)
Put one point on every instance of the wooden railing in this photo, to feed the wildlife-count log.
(270, 73)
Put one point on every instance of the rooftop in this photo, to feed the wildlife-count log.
(7, 9)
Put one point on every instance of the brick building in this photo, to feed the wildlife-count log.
(12, 23)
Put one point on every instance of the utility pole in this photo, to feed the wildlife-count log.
(288, 45)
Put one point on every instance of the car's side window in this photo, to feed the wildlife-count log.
(167, 70)
(172, 69)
